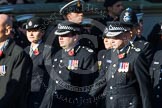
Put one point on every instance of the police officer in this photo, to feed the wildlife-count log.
(74, 70)
(15, 69)
(125, 67)
(40, 76)
(101, 53)
(154, 37)
(155, 70)
(128, 16)
(128, 79)
(73, 12)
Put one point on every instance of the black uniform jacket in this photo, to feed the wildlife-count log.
(72, 75)
(14, 84)
(156, 70)
(128, 83)
(40, 76)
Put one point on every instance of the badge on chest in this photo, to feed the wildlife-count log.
(2, 70)
(73, 64)
(123, 67)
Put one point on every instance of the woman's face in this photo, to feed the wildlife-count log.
(34, 35)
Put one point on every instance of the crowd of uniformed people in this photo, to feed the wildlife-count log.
(104, 63)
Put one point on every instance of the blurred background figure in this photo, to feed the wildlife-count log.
(139, 27)
(73, 11)
(113, 10)
(154, 36)
(156, 70)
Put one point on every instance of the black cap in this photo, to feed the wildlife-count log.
(109, 3)
(35, 22)
(73, 6)
(115, 28)
(128, 16)
(66, 27)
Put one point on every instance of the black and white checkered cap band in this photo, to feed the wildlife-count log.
(69, 28)
(118, 28)
(61, 27)
(65, 29)
(113, 30)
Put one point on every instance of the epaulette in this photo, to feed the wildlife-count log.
(137, 49)
(145, 43)
(142, 42)
(88, 49)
